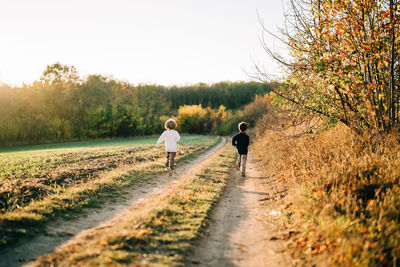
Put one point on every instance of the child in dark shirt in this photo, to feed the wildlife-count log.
(241, 142)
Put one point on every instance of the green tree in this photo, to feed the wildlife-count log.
(59, 73)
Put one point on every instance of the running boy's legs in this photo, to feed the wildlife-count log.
(167, 163)
(171, 159)
(243, 160)
(238, 161)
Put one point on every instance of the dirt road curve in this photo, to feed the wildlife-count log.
(239, 235)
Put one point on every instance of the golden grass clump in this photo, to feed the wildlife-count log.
(346, 193)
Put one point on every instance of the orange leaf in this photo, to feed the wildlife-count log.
(142, 232)
(289, 204)
(104, 243)
(301, 243)
(319, 193)
(322, 248)
(354, 251)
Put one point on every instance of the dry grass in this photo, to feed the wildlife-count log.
(346, 195)
(157, 232)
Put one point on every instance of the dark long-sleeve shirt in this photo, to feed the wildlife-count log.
(241, 142)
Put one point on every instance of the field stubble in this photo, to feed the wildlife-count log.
(36, 186)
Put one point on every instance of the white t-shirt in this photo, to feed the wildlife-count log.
(171, 137)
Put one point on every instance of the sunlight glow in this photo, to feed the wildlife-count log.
(159, 41)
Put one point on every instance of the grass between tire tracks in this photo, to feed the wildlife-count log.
(69, 201)
(158, 232)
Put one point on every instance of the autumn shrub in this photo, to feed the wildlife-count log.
(199, 120)
(346, 191)
(251, 113)
(229, 126)
(255, 110)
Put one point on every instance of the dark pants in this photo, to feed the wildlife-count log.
(170, 160)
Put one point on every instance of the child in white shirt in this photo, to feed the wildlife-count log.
(171, 137)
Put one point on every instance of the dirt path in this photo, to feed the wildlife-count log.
(61, 230)
(241, 234)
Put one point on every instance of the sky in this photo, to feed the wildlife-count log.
(140, 41)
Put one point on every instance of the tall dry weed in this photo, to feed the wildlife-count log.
(346, 193)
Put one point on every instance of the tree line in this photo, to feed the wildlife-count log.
(232, 95)
(63, 106)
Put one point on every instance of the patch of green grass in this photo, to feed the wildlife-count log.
(151, 140)
(162, 231)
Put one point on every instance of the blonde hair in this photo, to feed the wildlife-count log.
(170, 124)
